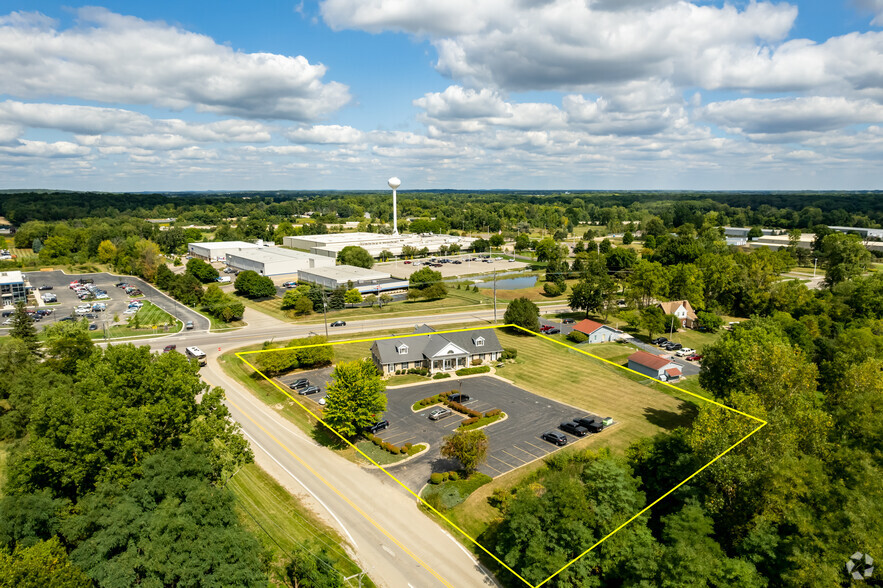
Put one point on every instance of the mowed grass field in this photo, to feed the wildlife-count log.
(557, 372)
(283, 523)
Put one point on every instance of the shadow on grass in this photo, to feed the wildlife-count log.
(669, 420)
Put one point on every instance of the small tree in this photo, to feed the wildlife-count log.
(627, 238)
(468, 447)
(385, 299)
(371, 299)
(355, 255)
(653, 320)
(201, 270)
(709, 320)
(254, 285)
(524, 313)
(312, 569)
(23, 328)
(497, 240)
(352, 296)
(355, 397)
(303, 305)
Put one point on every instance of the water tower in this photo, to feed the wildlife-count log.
(394, 183)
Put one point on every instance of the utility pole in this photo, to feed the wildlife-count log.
(814, 261)
(672, 329)
(495, 294)
(324, 312)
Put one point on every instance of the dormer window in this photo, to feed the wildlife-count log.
(479, 342)
(402, 349)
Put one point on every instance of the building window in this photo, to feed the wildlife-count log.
(402, 349)
(479, 342)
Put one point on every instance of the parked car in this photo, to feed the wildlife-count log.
(545, 328)
(573, 428)
(121, 284)
(439, 413)
(568, 321)
(684, 352)
(188, 325)
(66, 318)
(693, 357)
(289, 284)
(458, 397)
(223, 279)
(309, 390)
(93, 327)
(299, 384)
(553, 331)
(659, 340)
(378, 426)
(407, 262)
(169, 348)
(82, 311)
(338, 324)
(555, 438)
(45, 287)
(592, 424)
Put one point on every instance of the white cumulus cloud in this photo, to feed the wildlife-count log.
(114, 58)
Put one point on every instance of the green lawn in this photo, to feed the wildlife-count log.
(151, 319)
(456, 299)
(554, 371)
(381, 456)
(447, 495)
(283, 523)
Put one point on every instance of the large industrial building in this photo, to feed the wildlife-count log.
(366, 281)
(218, 251)
(330, 245)
(276, 261)
(12, 287)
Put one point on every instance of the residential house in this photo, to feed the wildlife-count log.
(682, 310)
(439, 352)
(598, 333)
(654, 366)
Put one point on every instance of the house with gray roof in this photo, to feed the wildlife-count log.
(438, 352)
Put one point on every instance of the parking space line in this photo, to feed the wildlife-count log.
(526, 451)
(535, 447)
(510, 466)
(514, 457)
(493, 468)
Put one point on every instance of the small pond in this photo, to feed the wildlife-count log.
(510, 283)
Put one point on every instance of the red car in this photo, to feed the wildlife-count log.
(694, 357)
(545, 328)
(407, 262)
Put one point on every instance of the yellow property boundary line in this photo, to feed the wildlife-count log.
(762, 424)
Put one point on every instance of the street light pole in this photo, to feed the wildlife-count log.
(495, 295)
(325, 313)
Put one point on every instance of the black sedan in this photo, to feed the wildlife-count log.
(377, 427)
(338, 324)
(555, 438)
(45, 287)
(309, 390)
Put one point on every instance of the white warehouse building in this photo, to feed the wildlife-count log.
(275, 261)
(366, 281)
(329, 245)
(218, 251)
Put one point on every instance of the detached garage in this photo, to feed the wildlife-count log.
(598, 333)
(654, 366)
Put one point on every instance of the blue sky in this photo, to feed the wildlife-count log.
(340, 94)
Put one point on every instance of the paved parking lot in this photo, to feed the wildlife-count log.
(514, 442)
(117, 304)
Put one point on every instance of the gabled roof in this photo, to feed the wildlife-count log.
(420, 348)
(654, 362)
(673, 372)
(588, 327)
(671, 306)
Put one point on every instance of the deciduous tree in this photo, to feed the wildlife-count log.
(355, 397)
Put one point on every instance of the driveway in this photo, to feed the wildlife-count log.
(565, 329)
(514, 441)
(688, 368)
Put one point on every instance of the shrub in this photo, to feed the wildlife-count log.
(509, 353)
(577, 337)
(441, 376)
(408, 446)
(454, 476)
(473, 370)
(469, 421)
(476, 362)
(446, 476)
(377, 441)
(493, 413)
(436, 478)
(370, 436)
(390, 447)
(552, 289)
(403, 450)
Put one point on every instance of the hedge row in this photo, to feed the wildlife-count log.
(394, 449)
(473, 370)
(488, 417)
(430, 400)
(462, 409)
(418, 371)
(441, 376)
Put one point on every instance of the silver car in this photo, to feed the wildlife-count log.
(439, 413)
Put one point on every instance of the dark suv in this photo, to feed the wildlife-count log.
(573, 428)
(458, 397)
(593, 425)
(378, 426)
(555, 438)
(298, 384)
(310, 390)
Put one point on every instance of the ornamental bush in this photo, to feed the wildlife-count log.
(493, 413)
(441, 376)
(436, 478)
(577, 337)
(473, 370)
